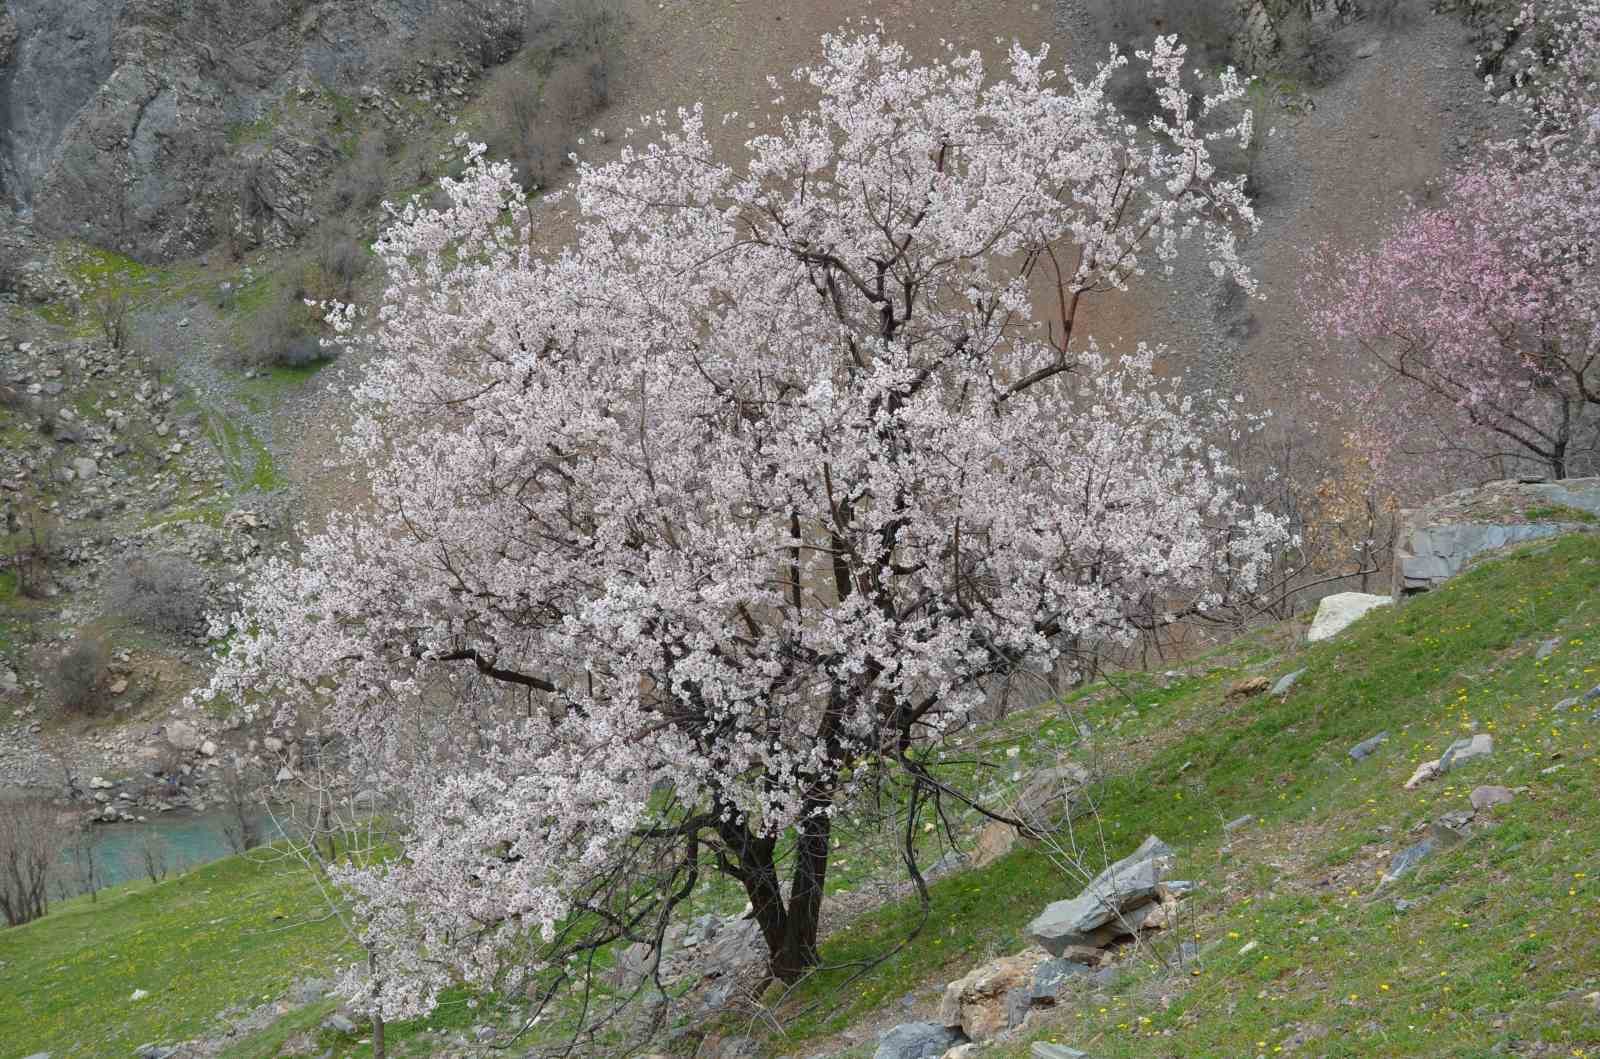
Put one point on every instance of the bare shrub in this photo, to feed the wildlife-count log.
(162, 592)
(340, 261)
(535, 127)
(80, 855)
(575, 27)
(484, 32)
(79, 671)
(240, 786)
(286, 334)
(518, 134)
(111, 309)
(575, 90)
(360, 184)
(150, 856)
(30, 836)
(26, 550)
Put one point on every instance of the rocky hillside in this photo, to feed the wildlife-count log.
(141, 126)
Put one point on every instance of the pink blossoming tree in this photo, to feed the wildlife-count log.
(683, 533)
(1479, 316)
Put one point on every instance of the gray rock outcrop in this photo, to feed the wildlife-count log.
(135, 124)
(917, 1040)
(1096, 915)
(1439, 539)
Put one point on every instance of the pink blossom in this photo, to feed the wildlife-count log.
(764, 477)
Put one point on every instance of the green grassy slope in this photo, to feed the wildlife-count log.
(234, 933)
(1501, 946)
(1497, 952)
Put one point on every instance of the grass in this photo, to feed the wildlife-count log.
(1511, 920)
(1560, 513)
(272, 383)
(1499, 947)
(232, 933)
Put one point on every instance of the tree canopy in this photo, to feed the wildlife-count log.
(680, 532)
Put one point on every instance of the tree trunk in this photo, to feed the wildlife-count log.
(798, 952)
(377, 1017)
(790, 931)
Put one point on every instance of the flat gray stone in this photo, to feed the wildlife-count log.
(1464, 750)
(1287, 682)
(1051, 975)
(1367, 747)
(1046, 1050)
(1487, 797)
(339, 1022)
(917, 1040)
(1123, 886)
(1546, 649)
(1237, 822)
(1409, 858)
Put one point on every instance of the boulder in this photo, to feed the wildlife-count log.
(1248, 688)
(1367, 747)
(1409, 858)
(1487, 797)
(1287, 682)
(736, 944)
(1425, 772)
(1439, 539)
(208, 748)
(1050, 795)
(994, 842)
(1337, 612)
(1051, 976)
(339, 1022)
(1120, 889)
(183, 735)
(1046, 1050)
(83, 468)
(917, 1040)
(1464, 750)
(982, 1001)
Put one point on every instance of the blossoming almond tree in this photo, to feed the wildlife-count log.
(689, 527)
(1479, 317)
